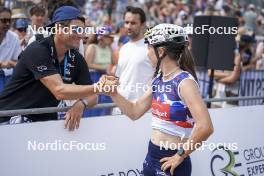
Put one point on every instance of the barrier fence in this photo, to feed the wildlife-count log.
(106, 105)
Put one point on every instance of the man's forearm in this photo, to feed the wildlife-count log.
(72, 92)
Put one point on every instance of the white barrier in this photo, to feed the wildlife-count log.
(116, 146)
(242, 126)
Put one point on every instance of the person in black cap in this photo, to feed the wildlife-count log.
(46, 72)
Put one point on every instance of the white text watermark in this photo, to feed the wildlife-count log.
(138, 87)
(197, 146)
(71, 29)
(59, 145)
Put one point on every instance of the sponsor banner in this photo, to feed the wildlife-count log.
(117, 146)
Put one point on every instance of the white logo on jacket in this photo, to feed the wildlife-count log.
(42, 68)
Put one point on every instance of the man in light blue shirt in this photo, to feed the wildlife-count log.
(9, 43)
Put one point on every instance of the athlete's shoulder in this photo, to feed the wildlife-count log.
(186, 76)
(183, 75)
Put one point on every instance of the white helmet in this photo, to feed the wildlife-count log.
(166, 34)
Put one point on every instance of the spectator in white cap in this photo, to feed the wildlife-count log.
(18, 14)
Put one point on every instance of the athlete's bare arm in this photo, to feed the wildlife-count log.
(134, 110)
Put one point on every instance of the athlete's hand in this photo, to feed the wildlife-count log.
(73, 116)
(171, 162)
(107, 85)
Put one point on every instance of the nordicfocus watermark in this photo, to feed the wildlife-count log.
(138, 87)
(59, 145)
(72, 29)
(204, 29)
(191, 146)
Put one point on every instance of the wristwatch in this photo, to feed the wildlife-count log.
(84, 102)
(181, 151)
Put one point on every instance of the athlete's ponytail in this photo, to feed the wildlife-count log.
(186, 62)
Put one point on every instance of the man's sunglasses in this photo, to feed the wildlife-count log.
(5, 20)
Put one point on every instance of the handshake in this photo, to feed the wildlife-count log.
(7, 64)
(107, 85)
